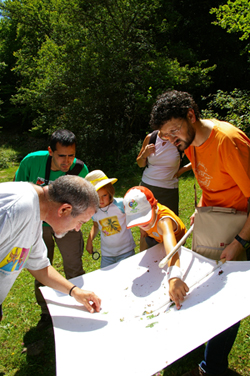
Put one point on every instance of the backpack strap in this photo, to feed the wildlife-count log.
(152, 140)
(75, 170)
(153, 137)
(47, 170)
(181, 158)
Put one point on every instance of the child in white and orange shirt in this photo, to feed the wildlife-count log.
(161, 224)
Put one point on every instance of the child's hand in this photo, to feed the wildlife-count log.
(177, 291)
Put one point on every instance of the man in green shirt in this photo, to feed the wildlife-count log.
(41, 168)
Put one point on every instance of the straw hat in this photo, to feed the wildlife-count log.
(98, 179)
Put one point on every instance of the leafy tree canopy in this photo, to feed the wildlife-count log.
(96, 66)
(235, 17)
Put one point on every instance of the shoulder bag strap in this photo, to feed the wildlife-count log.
(47, 170)
(153, 137)
(77, 168)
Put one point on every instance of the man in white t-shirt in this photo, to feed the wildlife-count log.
(65, 204)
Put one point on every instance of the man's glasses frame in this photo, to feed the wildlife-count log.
(173, 133)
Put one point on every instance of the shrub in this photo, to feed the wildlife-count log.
(7, 157)
(233, 107)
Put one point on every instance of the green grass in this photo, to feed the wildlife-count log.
(21, 312)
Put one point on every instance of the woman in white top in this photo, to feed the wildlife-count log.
(162, 169)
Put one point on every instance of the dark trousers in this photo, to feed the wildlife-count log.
(165, 196)
(71, 249)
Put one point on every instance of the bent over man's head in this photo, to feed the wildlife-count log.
(76, 191)
(172, 104)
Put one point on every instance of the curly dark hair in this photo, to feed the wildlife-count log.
(172, 104)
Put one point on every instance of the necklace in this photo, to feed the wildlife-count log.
(105, 211)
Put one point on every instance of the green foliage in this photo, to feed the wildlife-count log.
(7, 157)
(95, 67)
(191, 36)
(233, 107)
(9, 82)
(2, 65)
(235, 17)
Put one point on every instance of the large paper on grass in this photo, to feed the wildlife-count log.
(136, 332)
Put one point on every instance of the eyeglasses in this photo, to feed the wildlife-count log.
(173, 133)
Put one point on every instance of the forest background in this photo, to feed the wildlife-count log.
(96, 67)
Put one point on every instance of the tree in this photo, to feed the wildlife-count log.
(9, 82)
(193, 36)
(95, 67)
(234, 16)
(233, 107)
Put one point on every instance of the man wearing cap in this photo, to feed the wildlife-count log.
(41, 168)
(162, 224)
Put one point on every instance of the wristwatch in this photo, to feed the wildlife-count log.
(244, 243)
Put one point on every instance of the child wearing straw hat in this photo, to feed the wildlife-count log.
(162, 224)
(117, 242)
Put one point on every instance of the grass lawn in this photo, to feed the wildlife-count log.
(21, 312)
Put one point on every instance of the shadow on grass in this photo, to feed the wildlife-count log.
(40, 353)
(186, 363)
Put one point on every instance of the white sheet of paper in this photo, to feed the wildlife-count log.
(136, 333)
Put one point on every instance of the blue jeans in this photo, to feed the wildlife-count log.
(109, 260)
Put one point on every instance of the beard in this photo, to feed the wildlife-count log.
(59, 236)
(184, 144)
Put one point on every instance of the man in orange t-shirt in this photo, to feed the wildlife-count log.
(219, 154)
(220, 158)
(221, 166)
